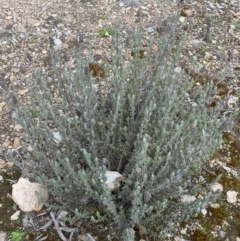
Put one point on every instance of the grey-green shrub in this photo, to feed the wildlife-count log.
(145, 121)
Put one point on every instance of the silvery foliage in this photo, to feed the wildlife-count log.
(144, 120)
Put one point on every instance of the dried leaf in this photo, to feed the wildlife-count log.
(143, 232)
(96, 69)
(186, 11)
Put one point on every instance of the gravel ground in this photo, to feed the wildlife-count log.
(29, 28)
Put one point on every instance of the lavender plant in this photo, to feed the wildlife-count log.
(143, 120)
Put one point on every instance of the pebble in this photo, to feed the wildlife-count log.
(150, 29)
(188, 198)
(221, 234)
(232, 196)
(18, 127)
(217, 187)
(196, 43)
(58, 42)
(16, 142)
(15, 216)
(2, 163)
(3, 236)
(204, 211)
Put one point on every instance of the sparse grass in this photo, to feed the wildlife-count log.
(103, 32)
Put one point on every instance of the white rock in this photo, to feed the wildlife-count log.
(33, 22)
(15, 216)
(188, 198)
(178, 70)
(18, 127)
(215, 205)
(232, 101)
(3, 236)
(217, 187)
(196, 43)
(204, 212)
(58, 42)
(24, 195)
(113, 179)
(57, 137)
(231, 196)
(182, 19)
(1, 178)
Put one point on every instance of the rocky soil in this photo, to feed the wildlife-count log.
(29, 28)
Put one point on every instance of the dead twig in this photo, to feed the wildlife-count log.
(56, 225)
(208, 171)
(90, 237)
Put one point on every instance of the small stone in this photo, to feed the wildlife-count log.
(30, 148)
(221, 234)
(18, 127)
(16, 142)
(10, 164)
(33, 22)
(24, 195)
(83, 238)
(150, 29)
(2, 163)
(3, 236)
(15, 216)
(182, 19)
(2, 104)
(188, 198)
(196, 43)
(23, 91)
(204, 212)
(58, 42)
(21, 29)
(113, 179)
(232, 101)
(208, 55)
(44, 30)
(178, 70)
(217, 187)
(1, 178)
(57, 137)
(232, 196)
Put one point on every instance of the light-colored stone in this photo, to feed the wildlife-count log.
(3, 236)
(23, 91)
(188, 198)
(16, 142)
(204, 212)
(2, 104)
(10, 164)
(15, 216)
(18, 127)
(21, 29)
(25, 194)
(83, 238)
(113, 179)
(232, 196)
(196, 43)
(33, 22)
(217, 187)
(2, 163)
(57, 137)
